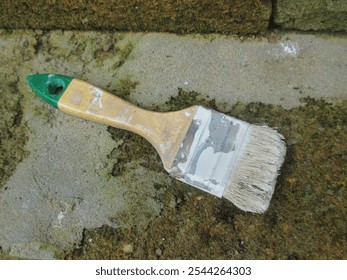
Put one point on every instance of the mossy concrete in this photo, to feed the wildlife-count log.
(327, 15)
(81, 190)
(12, 127)
(187, 16)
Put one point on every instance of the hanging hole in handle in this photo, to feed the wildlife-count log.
(58, 90)
(55, 87)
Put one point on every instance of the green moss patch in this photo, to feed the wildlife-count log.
(13, 132)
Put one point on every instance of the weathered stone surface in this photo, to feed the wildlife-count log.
(185, 16)
(329, 15)
(100, 192)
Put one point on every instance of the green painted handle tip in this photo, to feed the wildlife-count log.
(49, 87)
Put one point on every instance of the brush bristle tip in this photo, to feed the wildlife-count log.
(252, 182)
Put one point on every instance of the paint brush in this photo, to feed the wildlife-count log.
(211, 151)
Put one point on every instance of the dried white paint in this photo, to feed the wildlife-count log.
(97, 99)
(59, 219)
(163, 148)
(213, 168)
(144, 129)
(290, 48)
(60, 216)
(124, 116)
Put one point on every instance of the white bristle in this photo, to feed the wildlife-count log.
(253, 179)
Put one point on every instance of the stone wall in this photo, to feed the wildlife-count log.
(184, 16)
(327, 15)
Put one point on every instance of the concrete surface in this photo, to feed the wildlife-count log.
(277, 72)
(64, 185)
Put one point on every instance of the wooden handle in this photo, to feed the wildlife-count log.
(165, 131)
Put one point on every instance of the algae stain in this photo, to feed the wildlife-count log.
(185, 99)
(13, 131)
(124, 87)
(124, 53)
(56, 252)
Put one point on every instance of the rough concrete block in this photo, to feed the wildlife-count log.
(329, 15)
(185, 16)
